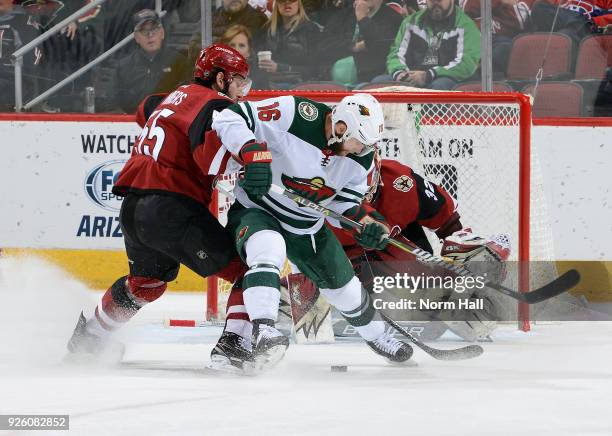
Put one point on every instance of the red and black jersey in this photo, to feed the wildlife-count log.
(405, 198)
(166, 155)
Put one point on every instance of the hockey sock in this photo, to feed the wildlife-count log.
(265, 252)
(355, 305)
(261, 294)
(122, 301)
(237, 319)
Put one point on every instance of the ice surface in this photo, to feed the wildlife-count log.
(556, 380)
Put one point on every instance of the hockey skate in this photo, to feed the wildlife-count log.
(269, 345)
(395, 351)
(231, 355)
(87, 348)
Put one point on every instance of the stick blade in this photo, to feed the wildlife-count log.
(561, 284)
(469, 352)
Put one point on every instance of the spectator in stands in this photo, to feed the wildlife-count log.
(238, 12)
(575, 18)
(264, 6)
(603, 99)
(65, 52)
(151, 66)
(230, 13)
(239, 37)
(510, 18)
(436, 48)
(15, 32)
(356, 40)
(292, 38)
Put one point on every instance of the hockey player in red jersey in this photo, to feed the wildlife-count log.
(412, 203)
(164, 215)
(409, 203)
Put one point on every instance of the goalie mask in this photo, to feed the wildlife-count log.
(364, 121)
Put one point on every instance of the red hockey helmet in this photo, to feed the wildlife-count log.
(220, 57)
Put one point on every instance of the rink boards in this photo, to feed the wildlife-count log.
(57, 175)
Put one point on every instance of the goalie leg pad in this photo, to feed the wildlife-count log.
(355, 305)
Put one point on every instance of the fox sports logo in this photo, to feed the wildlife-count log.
(99, 184)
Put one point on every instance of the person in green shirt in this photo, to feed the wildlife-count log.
(435, 48)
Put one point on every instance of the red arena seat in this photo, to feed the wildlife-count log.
(557, 99)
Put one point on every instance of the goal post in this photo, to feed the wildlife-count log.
(477, 146)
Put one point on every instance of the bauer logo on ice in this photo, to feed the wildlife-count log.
(99, 184)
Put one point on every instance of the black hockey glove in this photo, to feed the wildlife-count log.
(257, 161)
(375, 231)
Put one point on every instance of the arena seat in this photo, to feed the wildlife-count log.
(594, 56)
(557, 99)
(527, 54)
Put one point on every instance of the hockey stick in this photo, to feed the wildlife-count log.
(468, 352)
(561, 284)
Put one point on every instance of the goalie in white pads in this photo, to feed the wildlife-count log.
(325, 156)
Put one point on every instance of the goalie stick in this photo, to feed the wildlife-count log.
(561, 284)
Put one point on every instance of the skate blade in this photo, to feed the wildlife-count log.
(270, 358)
(223, 364)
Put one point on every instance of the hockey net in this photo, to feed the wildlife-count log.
(475, 145)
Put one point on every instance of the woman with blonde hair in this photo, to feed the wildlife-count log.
(292, 38)
(239, 37)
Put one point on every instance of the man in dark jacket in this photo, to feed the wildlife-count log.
(151, 68)
(238, 12)
(365, 30)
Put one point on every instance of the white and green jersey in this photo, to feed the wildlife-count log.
(294, 129)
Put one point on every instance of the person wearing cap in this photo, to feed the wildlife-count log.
(150, 67)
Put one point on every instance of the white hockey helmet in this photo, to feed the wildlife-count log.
(364, 120)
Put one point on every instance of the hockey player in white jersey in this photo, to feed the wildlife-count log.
(322, 155)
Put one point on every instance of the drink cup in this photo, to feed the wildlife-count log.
(264, 56)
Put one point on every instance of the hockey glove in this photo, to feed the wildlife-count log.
(375, 231)
(479, 255)
(257, 161)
